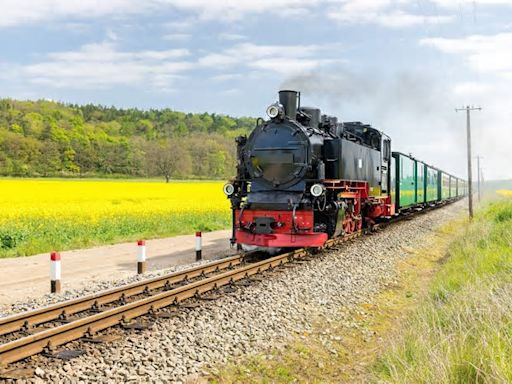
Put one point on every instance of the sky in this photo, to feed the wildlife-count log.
(403, 65)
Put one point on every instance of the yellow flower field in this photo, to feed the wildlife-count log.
(41, 215)
(504, 192)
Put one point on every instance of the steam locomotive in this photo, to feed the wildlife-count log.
(303, 177)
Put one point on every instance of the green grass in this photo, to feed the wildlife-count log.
(462, 332)
(299, 362)
(30, 238)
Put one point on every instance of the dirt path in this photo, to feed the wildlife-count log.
(28, 277)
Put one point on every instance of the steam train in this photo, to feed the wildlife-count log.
(303, 178)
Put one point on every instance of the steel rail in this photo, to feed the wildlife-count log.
(50, 339)
(65, 309)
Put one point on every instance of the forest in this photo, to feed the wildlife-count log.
(50, 139)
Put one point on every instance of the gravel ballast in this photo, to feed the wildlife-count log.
(250, 319)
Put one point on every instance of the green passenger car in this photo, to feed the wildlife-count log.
(414, 183)
(393, 181)
(462, 188)
(432, 186)
(453, 187)
(405, 180)
(420, 182)
(445, 185)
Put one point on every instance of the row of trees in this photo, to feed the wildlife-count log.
(43, 138)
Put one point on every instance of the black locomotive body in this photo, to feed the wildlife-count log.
(360, 152)
(303, 177)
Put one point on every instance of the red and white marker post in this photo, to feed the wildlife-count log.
(55, 272)
(141, 256)
(199, 245)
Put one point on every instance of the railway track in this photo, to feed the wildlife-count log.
(63, 311)
(44, 330)
(127, 303)
(32, 324)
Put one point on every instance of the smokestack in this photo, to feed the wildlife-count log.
(289, 101)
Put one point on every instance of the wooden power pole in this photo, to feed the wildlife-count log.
(468, 110)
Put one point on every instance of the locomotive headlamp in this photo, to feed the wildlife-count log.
(229, 189)
(275, 110)
(317, 190)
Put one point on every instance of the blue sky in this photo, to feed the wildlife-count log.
(401, 65)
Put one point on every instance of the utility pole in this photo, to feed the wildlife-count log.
(468, 110)
(479, 176)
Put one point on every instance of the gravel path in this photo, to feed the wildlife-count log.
(250, 319)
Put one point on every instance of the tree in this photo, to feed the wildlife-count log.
(16, 128)
(84, 155)
(166, 158)
(49, 159)
(45, 138)
(146, 128)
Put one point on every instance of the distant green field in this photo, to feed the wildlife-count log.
(40, 215)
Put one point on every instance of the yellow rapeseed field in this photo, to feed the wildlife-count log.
(505, 192)
(40, 215)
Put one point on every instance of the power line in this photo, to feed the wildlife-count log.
(468, 110)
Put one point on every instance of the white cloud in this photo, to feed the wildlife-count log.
(472, 89)
(181, 25)
(233, 9)
(232, 36)
(103, 65)
(226, 77)
(490, 57)
(400, 19)
(473, 3)
(177, 36)
(111, 35)
(285, 59)
(17, 12)
(231, 92)
(217, 60)
(287, 66)
(484, 53)
(385, 13)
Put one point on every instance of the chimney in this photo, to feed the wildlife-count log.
(289, 101)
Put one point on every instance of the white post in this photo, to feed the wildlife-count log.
(55, 272)
(199, 255)
(141, 256)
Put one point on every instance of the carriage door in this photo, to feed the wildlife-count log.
(385, 161)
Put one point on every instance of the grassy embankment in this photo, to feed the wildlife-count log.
(41, 215)
(447, 319)
(462, 333)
